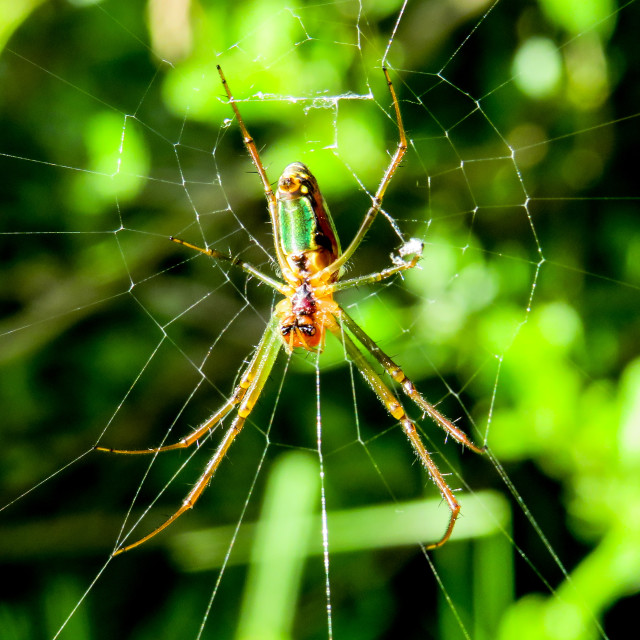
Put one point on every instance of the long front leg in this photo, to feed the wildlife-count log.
(395, 408)
(407, 385)
(198, 488)
(247, 379)
(265, 358)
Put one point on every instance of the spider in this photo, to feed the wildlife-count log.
(310, 259)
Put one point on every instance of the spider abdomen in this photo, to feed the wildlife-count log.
(306, 234)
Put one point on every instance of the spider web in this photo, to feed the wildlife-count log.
(519, 323)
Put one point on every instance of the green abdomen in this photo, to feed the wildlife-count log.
(299, 231)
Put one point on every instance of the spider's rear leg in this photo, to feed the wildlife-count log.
(376, 203)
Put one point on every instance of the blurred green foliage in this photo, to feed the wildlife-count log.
(523, 319)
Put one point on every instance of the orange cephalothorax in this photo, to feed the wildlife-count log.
(303, 318)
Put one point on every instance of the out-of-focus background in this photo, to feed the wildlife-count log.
(522, 322)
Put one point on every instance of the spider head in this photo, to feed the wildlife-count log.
(300, 324)
(303, 332)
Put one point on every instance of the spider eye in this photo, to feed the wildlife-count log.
(307, 329)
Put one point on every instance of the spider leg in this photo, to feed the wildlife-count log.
(238, 393)
(245, 266)
(377, 199)
(247, 379)
(368, 279)
(265, 357)
(395, 408)
(407, 385)
(250, 144)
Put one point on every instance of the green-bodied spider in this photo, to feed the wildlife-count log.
(310, 259)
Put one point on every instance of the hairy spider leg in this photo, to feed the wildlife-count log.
(370, 278)
(395, 409)
(407, 385)
(250, 144)
(325, 274)
(245, 396)
(320, 291)
(247, 267)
